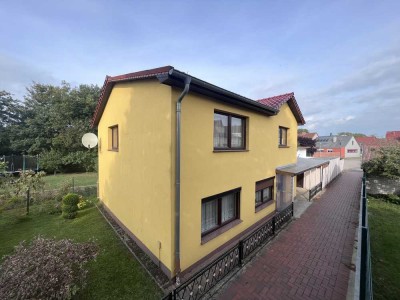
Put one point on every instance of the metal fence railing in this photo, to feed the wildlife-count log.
(363, 281)
(315, 191)
(204, 280)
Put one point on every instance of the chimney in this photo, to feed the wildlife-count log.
(334, 139)
(331, 134)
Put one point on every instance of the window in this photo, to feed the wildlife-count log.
(352, 151)
(283, 136)
(113, 140)
(218, 210)
(229, 131)
(264, 191)
(330, 150)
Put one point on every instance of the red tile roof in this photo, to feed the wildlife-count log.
(393, 135)
(109, 83)
(368, 140)
(277, 101)
(309, 135)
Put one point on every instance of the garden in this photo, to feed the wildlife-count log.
(384, 221)
(62, 247)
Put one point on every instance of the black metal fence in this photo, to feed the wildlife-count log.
(364, 267)
(205, 279)
(315, 190)
(18, 163)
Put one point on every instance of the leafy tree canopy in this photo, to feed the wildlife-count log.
(302, 130)
(351, 134)
(385, 163)
(51, 122)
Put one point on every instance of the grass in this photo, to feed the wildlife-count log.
(80, 179)
(384, 224)
(114, 275)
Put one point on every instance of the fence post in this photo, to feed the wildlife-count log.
(27, 200)
(241, 246)
(73, 185)
(37, 162)
(292, 209)
(273, 225)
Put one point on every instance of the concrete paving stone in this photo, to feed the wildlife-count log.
(311, 257)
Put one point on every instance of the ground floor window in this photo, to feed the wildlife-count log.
(218, 210)
(264, 191)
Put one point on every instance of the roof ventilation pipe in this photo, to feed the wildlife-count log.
(186, 79)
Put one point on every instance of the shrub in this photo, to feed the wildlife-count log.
(70, 206)
(84, 203)
(46, 269)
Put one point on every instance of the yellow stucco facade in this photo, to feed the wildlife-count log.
(137, 182)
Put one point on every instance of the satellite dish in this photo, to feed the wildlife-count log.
(89, 140)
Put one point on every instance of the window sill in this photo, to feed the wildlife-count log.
(283, 146)
(219, 231)
(113, 150)
(230, 150)
(264, 205)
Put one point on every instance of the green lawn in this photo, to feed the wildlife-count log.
(80, 179)
(114, 275)
(384, 224)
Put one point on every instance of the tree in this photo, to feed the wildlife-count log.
(10, 115)
(351, 134)
(54, 120)
(302, 130)
(307, 142)
(385, 163)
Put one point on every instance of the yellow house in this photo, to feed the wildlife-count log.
(186, 167)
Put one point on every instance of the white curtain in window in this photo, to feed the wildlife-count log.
(266, 194)
(237, 133)
(220, 131)
(228, 207)
(209, 217)
(258, 197)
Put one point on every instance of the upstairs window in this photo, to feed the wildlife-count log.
(113, 139)
(229, 131)
(283, 132)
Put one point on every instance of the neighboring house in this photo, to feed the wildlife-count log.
(370, 145)
(309, 135)
(393, 135)
(302, 151)
(186, 167)
(342, 146)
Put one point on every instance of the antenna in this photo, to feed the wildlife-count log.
(89, 140)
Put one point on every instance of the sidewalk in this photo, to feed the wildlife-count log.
(311, 258)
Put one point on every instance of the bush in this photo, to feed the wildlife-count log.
(70, 206)
(84, 203)
(395, 199)
(46, 269)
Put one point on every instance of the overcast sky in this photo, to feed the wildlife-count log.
(340, 58)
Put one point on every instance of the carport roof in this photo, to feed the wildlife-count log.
(302, 165)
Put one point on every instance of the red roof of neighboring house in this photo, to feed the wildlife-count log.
(368, 140)
(277, 101)
(309, 135)
(393, 135)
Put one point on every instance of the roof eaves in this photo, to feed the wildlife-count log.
(111, 80)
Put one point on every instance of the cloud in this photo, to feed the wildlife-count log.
(16, 75)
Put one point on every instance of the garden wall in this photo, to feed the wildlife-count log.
(382, 185)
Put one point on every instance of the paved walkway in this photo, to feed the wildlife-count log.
(311, 258)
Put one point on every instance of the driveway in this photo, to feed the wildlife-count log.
(312, 257)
